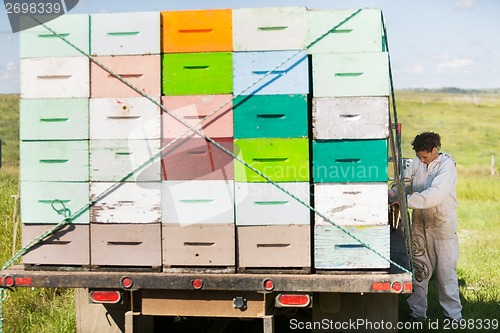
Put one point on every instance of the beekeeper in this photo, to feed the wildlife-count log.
(430, 182)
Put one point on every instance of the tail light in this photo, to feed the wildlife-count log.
(105, 296)
(293, 300)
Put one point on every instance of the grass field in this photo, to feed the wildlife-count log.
(469, 128)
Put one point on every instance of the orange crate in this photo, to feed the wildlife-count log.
(197, 31)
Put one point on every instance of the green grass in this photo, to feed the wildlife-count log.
(468, 125)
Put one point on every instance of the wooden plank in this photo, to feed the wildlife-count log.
(195, 245)
(351, 74)
(127, 203)
(56, 77)
(198, 201)
(125, 33)
(351, 204)
(54, 119)
(271, 116)
(68, 246)
(334, 249)
(265, 204)
(124, 118)
(361, 33)
(350, 118)
(197, 31)
(205, 73)
(125, 244)
(274, 247)
(192, 109)
(264, 29)
(349, 160)
(282, 160)
(141, 71)
(112, 160)
(40, 42)
(38, 197)
(287, 77)
(197, 159)
(54, 161)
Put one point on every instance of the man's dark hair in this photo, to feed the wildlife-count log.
(426, 141)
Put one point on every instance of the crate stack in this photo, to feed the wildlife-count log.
(54, 149)
(125, 223)
(198, 177)
(271, 134)
(350, 129)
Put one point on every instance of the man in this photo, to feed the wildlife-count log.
(430, 181)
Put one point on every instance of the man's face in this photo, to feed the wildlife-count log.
(427, 156)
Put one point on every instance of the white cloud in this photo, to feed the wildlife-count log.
(417, 69)
(103, 10)
(449, 64)
(9, 71)
(465, 4)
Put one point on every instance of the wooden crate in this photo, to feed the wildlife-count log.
(271, 116)
(274, 247)
(125, 245)
(128, 203)
(38, 197)
(125, 33)
(54, 161)
(124, 118)
(265, 204)
(112, 160)
(56, 77)
(206, 73)
(69, 245)
(54, 119)
(334, 249)
(197, 31)
(141, 71)
(351, 74)
(287, 77)
(350, 118)
(197, 159)
(349, 161)
(198, 201)
(261, 29)
(192, 109)
(40, 42)
(198, 245)
(282, 160)
(351, 204)
(361, 33)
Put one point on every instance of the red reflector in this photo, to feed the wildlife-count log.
(408, 286)
(381, 286)
(9, 281)
(268, 284)
(397, 287)
(296, 300)
(24, 281)
(105, 296)
(197, 283)
(127, 282)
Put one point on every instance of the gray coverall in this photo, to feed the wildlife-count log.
(432, 196)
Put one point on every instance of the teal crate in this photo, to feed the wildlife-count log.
(349, 161)
(270, 116)
(54, 161)
(54, 119)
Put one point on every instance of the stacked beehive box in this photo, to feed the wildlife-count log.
(54, 111)
(86, 136)
(198, 181)
(271, 134)
(350, 130)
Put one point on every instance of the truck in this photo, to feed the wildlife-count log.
(276, 210)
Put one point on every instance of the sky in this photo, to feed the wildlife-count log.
(432, 43)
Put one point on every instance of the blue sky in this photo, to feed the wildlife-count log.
(433, 43)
